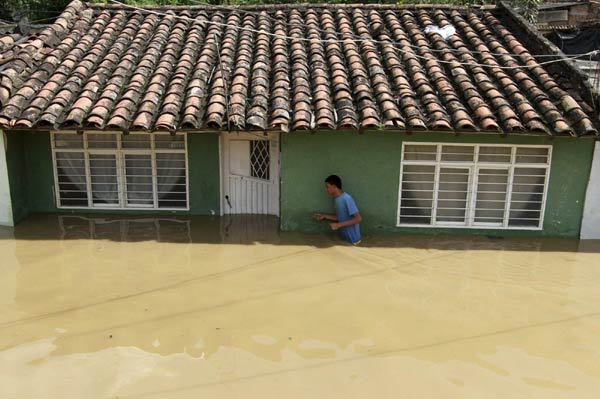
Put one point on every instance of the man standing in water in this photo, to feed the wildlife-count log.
(347, 218)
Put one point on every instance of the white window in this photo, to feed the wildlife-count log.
(476, 186)
(259, 159)
(118, 171)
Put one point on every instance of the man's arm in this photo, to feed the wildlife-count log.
(325, 216)
(356, 218)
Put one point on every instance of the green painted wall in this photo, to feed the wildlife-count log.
(17, 177)
(369, 165)
(204, 169)
(32, 176)
(40, 175)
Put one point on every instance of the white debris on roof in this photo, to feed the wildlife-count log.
(445, 32)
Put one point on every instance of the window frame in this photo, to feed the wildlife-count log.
(120, 153)
(474, 166)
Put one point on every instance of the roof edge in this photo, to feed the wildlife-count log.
(405, 132)
(273, 7)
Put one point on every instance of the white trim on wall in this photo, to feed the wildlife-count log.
(590, 225)
(6, 212)
(221, 177)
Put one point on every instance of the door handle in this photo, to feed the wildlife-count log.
(228, 202)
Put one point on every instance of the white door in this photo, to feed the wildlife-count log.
(250, 173)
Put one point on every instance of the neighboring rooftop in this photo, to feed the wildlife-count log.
(550, 6)
(288, 67)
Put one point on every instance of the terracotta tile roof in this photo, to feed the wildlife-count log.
(8, 40)
(191, 68)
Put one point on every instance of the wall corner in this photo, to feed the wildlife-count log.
(6, 212)
(590, 224)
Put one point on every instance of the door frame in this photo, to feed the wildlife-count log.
(224, 138)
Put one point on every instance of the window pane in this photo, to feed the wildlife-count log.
(453, 194)
(171, 180)
(420, 152)
(491, 196)
(97, 177)
(449, 192)
(102, 140)
(495, 154)
(103, 174)
(141, 141)
(526, 201)
(68, 140)
(453, 153)
(169, 141)
(138, 177)
(532, 155)
(417, 194)
(259, 159)
(70, 173)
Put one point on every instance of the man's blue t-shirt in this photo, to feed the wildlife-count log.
(345, 207)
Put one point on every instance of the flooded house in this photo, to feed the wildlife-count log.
(439, 119)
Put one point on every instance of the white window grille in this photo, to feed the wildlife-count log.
(117, 171)
(475, 186)
(259, 159)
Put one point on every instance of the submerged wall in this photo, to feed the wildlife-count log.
(32, 178)
(369, 165)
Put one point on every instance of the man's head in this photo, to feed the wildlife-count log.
(333, 185)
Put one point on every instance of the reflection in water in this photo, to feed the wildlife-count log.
(235, 229)
(230, 307)
(249, 228)
(132, 229)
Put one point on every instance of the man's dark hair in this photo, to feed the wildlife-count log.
(334, 180)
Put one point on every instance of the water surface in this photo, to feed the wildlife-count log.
(231, 308)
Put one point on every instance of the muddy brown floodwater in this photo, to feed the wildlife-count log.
(230, 308)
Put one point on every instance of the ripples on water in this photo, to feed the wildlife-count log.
(231, 307)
